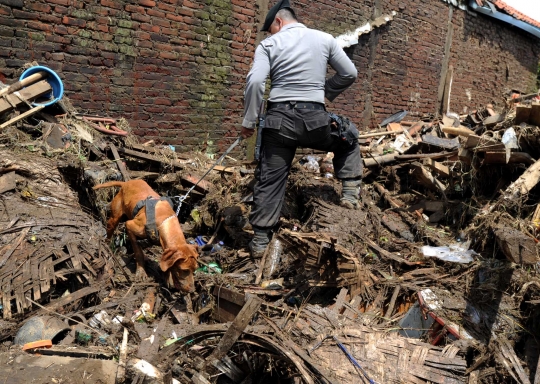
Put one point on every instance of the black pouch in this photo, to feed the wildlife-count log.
(343, 128)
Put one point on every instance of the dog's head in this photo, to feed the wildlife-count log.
(179, 265)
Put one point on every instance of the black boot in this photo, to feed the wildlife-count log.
(350, 193)
(261, 238)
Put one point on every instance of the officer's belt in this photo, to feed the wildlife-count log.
(150, 226)
(297, 105)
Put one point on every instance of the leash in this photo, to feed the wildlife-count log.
(182, 198)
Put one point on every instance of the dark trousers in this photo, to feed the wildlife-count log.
(285, 130)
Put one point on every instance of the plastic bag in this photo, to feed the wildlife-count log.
(457, 253)
(509, 139)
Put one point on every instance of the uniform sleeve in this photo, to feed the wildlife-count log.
(346, 72)
(255, 85)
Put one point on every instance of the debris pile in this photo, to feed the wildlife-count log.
(433, 280)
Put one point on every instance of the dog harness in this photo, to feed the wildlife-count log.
(150, 227)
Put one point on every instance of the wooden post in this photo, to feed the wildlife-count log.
(235, 330)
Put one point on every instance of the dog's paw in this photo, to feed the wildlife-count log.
(141, 275)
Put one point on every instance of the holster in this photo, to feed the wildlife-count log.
(343, 128)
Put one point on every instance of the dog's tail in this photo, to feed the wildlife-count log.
(109, 184)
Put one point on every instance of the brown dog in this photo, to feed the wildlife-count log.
(179, 259)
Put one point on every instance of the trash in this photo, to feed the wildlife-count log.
(37, 344)
(272, 284)
(509, 139)
(275, 248)
(457, 253)
(311, 164)
(41, 328)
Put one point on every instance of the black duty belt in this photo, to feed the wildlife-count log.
(297, 105)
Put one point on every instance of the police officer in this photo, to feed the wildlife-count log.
(296, 58)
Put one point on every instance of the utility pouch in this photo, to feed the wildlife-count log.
(343, 128)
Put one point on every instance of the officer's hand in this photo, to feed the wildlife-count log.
(246, 132)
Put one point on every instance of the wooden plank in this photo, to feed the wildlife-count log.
(44, 277)
(440, 168)
(492, 121)
(144, 156)
(19, 240)
(458, 131)
(524, 183)
(72, 297)
(24, 115)
(237, 327)
(523, 114)
(119, 163)
(6, 302)
(483, 143)
(151, 149)
(427, 179)
(29, 93)
(8, 182)
(35, 279)
(340, 299)
(534, 118)
(449, 144)
(223, 293)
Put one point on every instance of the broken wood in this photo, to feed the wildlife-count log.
(14, 246)
(8, 102)
(144, 156)
(386, 195)
(441, 169)
(24, 115)
(523, 114)
(23, 83)
(449, 144)
(458, 131)
(374, 161)
(121, 372)
(427, 179)
(516, 246)
(8, 182)
(524, 183)
(534, 117)
(235, 330)
(55, 305)
(119, 163)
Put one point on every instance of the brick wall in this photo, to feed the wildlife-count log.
(176, 68)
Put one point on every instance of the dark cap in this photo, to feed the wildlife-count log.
(273, 12)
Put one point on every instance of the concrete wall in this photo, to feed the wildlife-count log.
(176, 68)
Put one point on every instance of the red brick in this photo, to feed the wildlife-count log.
(5, 10)
(147, 3)
(155, 13)
(71, 21)
(40, 26)
(59, 2)
(112, 4)
(170, 16)
(38, 7)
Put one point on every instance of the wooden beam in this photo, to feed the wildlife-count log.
(524, 183)
(119, 163)
(29, 93)
(72, 297)
(144, 156)
(24, 115)
(441, 169)
(236, 329)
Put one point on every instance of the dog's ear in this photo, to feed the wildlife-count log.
(170, 257)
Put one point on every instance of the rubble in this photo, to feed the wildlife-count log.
(433, 280)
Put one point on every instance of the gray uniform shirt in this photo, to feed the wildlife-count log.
(296, 59)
